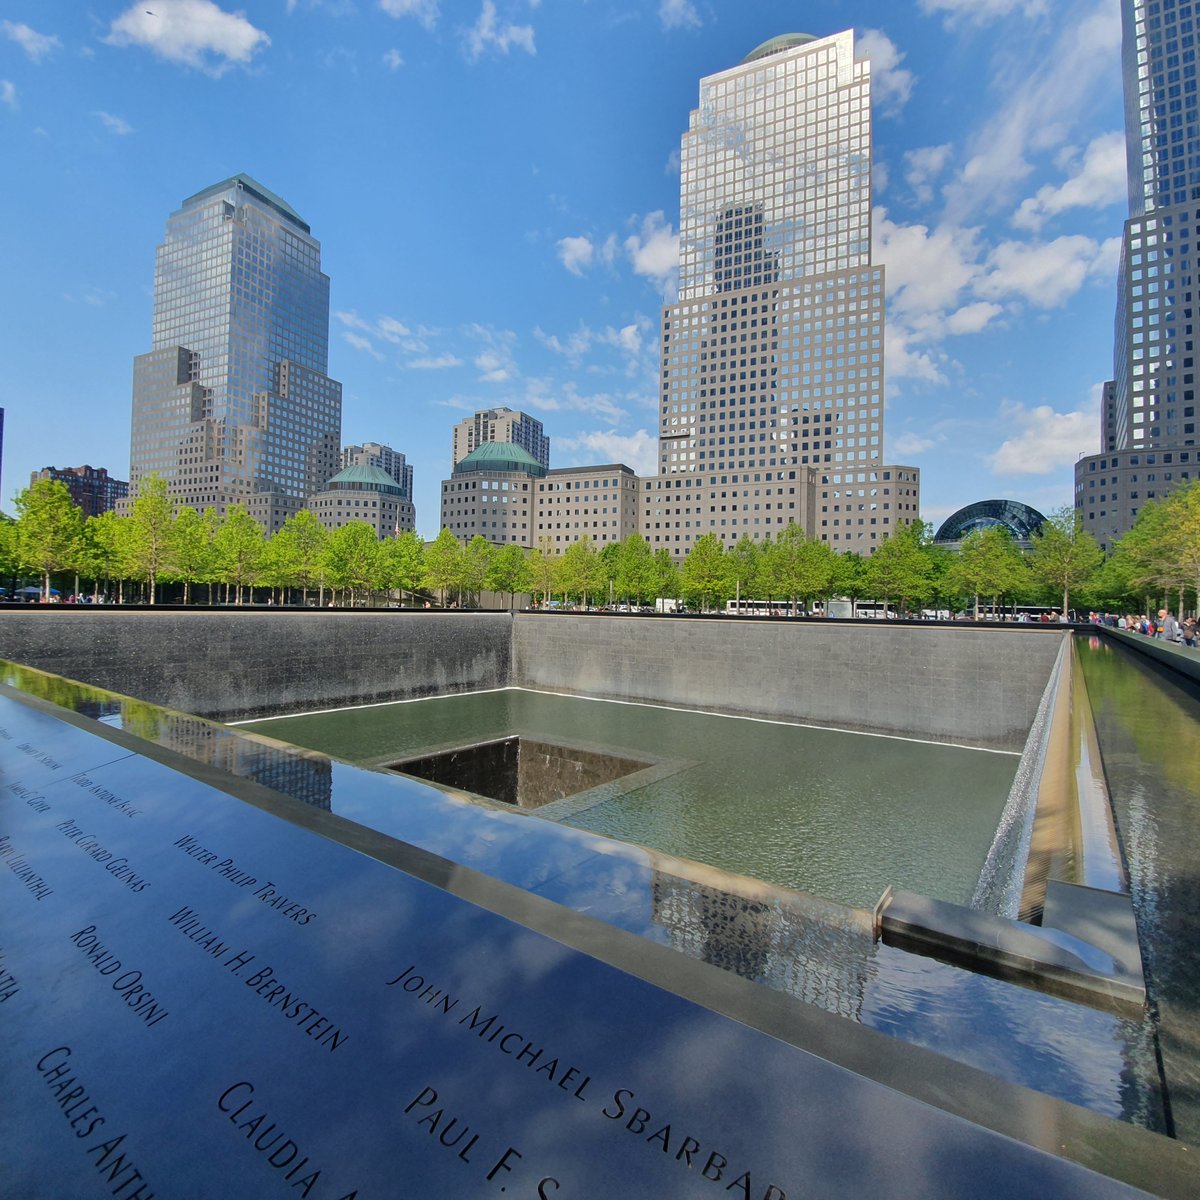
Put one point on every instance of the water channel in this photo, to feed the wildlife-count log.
(1148, 724)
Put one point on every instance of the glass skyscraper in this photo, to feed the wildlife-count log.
(1148, 411)
(771, 393)
(233, 403)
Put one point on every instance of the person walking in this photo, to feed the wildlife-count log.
(1168, 627)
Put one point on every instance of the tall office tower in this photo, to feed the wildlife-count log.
(233, 403)
(1148, 415)
(501, 425)
(375, 454)
(771, 399)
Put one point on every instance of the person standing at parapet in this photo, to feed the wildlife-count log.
(1168, 627)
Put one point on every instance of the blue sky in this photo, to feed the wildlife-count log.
(495, 187)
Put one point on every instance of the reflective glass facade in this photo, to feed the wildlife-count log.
(1150, 404)
(772, 357)
(233, 403)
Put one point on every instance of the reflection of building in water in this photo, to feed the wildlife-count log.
(816, 951)
(303, 775)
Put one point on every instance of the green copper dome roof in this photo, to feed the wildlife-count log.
(499, 456)
(776, 45)
(259, 192)
(369, 478)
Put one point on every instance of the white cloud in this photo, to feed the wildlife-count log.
(911, 444)
(196, 33)
(113, 124)
(654, 252)
(905, 360)
(926, 270)
(1099, 181)
(979, 12)
(891, 84)
(440, 363)
(352, 319)
(1061, 77)
(8, 94)
(637, 450)
(1044, 440)
(425, 12)
(495, 361)
(392, 329)
(36, 45)
(393, 60)
(489, 34)
(361, 343)
(629, 340)
(679, 14)
(576, 253)
(971, 318)
(923, 166)
(1045, 274)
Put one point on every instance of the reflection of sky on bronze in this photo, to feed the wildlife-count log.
(1096, 1058)
(835, 814)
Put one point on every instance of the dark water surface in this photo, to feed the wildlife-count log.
(841, 815)
(1148, 725)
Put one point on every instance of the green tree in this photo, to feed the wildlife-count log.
(543, 565)
(402, 562)
(473, 569)
(151, 528)
(9, 555)
(706, 576)
(635, 568)
(797, 566)
(900, 569)
(442, 558)
(667, 582)
(49, 530)
(108, 549)
(192, 555)
(352, 558)
(1064, 554)
(509, 571)
(746, 564)
(849, 579)
(580, 572)
(299, 552)
(988, 564)
(237, 549)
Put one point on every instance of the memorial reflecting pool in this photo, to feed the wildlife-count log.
(841, 815)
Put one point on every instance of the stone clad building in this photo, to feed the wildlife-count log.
(601, 502)
(364, 493)
(490, 493)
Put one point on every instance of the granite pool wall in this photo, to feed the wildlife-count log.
(976, 685)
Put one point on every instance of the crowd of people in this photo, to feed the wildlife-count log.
(1163, 626)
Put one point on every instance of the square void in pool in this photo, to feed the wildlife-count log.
(521, 771)
(838, 814)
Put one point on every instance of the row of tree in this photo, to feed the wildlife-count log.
(132, 556)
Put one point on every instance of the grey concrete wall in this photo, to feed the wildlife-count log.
(978, 686)
(232, 664)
